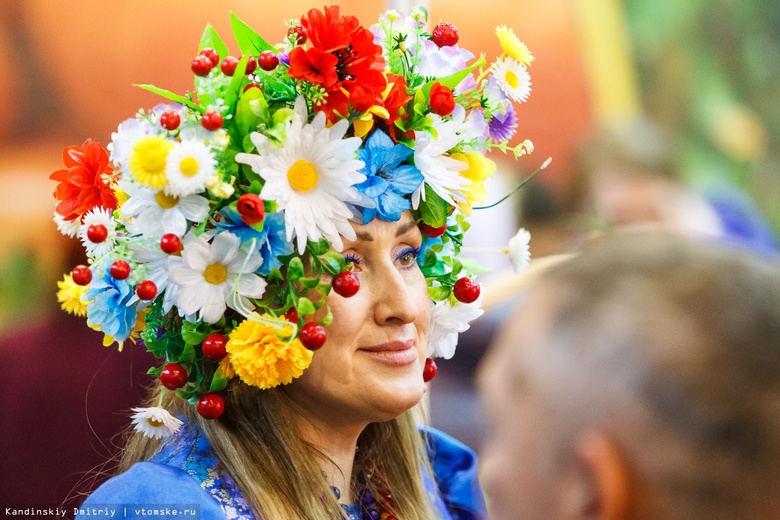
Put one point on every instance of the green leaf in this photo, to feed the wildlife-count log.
(211, 39)
(452, 80)
(251, 110)
(275, 274)
(434, 210)
(328, 319)
(167, 94)
(190, 335)
(309, 283)
(270, 205)
(236, 84)
(305, 306)
(438, 293)
(256, 187)
(219, 382)
(473, 267)
(155, 371)
(295, 269)
(188, 354)
(457, 267)
(318, 248)
(248, 40)
(333, 263)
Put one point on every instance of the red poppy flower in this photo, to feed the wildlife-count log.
(314, 65)
(82, 186)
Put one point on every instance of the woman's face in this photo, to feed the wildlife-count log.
(370, 368)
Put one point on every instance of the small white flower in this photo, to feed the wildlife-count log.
(69, 228)
(440, 171)
(513, 78)
(447, 322)
(153, 213)
(518, 250)
(153, 265)
(189, 167)
(155, 423)
(206, 276)
(98, 217)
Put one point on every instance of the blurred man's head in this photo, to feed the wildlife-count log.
(639, 380)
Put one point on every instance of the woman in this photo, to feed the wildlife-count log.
(288, 246)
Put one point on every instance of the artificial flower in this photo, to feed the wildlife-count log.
(69, 228)
(512, 45)
(388, 182)
(98, 217)
(207, 274)
(263, 353)
(154, 213)
(472, 129)
(311, 177)
(447, 321)
(270, 243)
(503, 125)
(149, 159)
(155, 262)
(479, 169)
(155, 423)
(440, 171)
(221, 189)
(518, 250)
(251, 208)
(71, 296)
(441, 100)
(513, 78)
(189, 166)
(110, 307)
(129, 132)
(83, 184)
(436, 62)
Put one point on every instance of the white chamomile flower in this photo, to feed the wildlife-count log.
(439, 170)
(312, 177)
(206, 276)
(98, 231)
(447, 322)
(153, 264)
(154, 213)
(124, 139)
(518, 250)
(69, 228)
(155, 423)
(189, 167)
(513, 78)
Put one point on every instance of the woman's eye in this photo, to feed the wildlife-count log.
(408, 257)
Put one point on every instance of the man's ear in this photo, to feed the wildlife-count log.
(606, 492)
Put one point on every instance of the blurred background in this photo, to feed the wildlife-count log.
(656, 114)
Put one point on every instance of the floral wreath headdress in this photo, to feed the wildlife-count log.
(211, 223)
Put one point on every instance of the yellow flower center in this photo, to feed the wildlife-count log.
(165, 201)
(148, 161)
(303, 175)
(189, 166)
(155, 423)
(215, 274)
(511, 78)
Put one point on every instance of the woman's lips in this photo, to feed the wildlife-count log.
(395, 353)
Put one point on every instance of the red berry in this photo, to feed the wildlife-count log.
(444, 35)
(211, 120)
(429, 372)
(313, 336)
(120, 270)
(300, 34)
(170, 243)
(170, 120)
(228, 65)
(211, 406)
(214, 346)
(346, 284)
(212, 55)
(252, 85)
(201, 65)
(173, 376)
(251, 65)
(431, 231)
(466, 290)
(267, 60)
(146, 290)
(81, 275)
(97, 233)
(291, 315)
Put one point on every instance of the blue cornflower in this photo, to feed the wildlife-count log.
(388, 181)
(271, 241)
(110, 307)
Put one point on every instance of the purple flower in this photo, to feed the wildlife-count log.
(503, 125)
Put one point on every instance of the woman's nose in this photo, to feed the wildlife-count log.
(395, 299)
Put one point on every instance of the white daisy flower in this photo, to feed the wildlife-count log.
(513, 78)
(153, 263)
(447, 322)
(153, 213)
(69, 228)
(155, 423)
(189, 167)
(312, 177)
(518, 250)
(98, 217)
(206, 276)
(124, 139)
(439, 170)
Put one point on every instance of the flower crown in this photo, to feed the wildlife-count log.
(211, 225)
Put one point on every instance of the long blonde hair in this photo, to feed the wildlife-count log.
(280, 475)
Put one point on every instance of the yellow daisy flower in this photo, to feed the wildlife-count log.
(149, 159)
(480, 168)
(512, 45)
(261, 357)
(70, 296)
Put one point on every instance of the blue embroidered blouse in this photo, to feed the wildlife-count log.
(181, 480)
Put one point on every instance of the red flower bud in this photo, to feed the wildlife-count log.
(442, 102)
(251, 209)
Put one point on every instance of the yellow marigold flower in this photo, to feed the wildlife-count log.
(480, 168)
(71, 296)
(148, 160)
(512, 45)
(261, 357)
(227, 368)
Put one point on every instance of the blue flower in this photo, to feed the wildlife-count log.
(271, 241)
(388, 181)
(110, 306)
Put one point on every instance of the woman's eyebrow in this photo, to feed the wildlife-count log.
(406, 227)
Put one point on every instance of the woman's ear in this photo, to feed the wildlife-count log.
(605, 481)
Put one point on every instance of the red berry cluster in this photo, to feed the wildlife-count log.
(445, 35)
